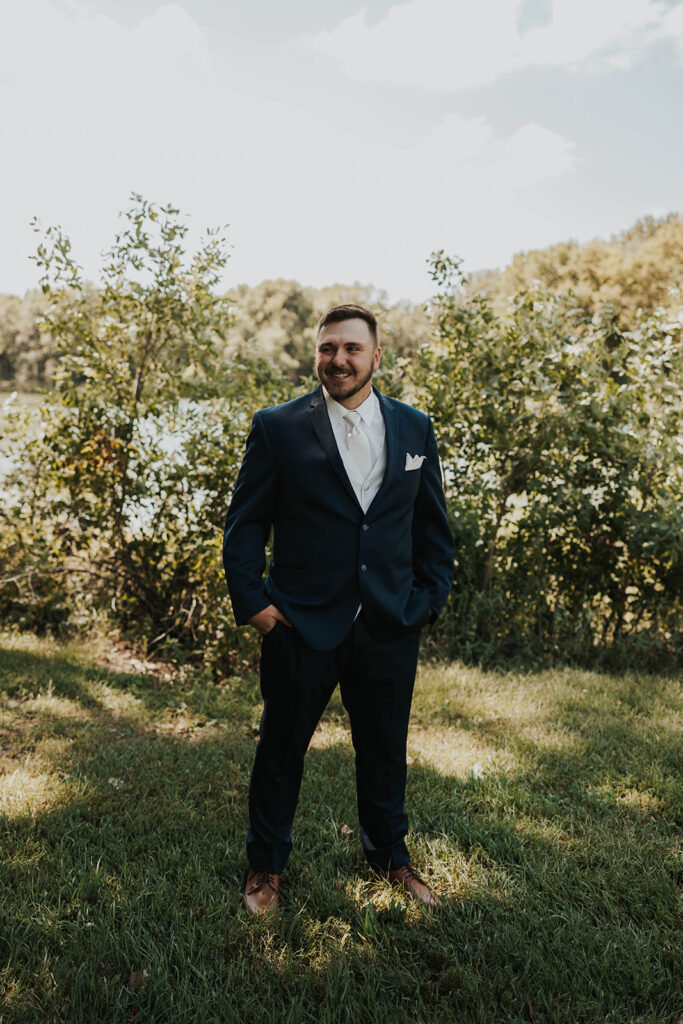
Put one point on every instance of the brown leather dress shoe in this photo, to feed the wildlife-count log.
(262, 891)
(414, 886)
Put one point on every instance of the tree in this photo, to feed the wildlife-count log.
(560, 440)
(641, 268)
(120, 497)
(27, 355)
(278, 319)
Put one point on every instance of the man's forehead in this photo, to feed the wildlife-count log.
(353, 329)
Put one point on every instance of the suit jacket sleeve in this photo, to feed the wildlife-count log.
(432, 538)
(247, 526)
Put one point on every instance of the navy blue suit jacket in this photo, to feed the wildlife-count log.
(328, 555)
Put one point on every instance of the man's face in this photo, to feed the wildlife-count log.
(345, 359)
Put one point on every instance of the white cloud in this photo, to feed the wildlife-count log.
(455, 45)
(531, 155)
(96, 109)
(320, 178)
(465, 154)
(672, 27)
(89, 52)
(92, 110)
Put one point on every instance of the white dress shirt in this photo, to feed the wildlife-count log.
(372, 425)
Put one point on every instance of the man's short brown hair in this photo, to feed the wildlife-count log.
(349, 311)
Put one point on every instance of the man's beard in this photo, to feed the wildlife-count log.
(329, 380)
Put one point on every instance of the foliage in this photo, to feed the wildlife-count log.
(640, 269)
(119, 496)
(560, 435)
(277, 319)
(27, 357)
(274, 320)
(545, 809)
(561, 444)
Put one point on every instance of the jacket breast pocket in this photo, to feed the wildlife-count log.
(408, 482)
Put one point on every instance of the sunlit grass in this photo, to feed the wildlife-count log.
(545, 808)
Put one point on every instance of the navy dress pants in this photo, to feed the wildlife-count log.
(376, 681)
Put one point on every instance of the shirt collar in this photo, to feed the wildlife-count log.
(368, 410)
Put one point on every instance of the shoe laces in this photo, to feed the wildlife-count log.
(262, 878)
(410, 874)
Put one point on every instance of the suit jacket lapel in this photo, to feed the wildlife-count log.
(323, 428)
(392, 444)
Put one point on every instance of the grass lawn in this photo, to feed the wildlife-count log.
(545, 809)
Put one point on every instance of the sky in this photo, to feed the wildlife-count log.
(339, 142)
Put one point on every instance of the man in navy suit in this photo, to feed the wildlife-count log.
(362, 557)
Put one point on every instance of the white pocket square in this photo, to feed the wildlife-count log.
(414, 461)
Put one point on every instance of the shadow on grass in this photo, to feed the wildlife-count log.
(560, 898)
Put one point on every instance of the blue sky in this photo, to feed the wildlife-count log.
(341, 142)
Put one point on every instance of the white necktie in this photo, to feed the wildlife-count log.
(357, 444)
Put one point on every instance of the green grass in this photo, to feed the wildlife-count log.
(545, 809)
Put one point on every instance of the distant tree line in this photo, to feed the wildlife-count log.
(559, 421)
(274, 320)
(640, 269)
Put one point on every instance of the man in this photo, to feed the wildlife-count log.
(362, 558)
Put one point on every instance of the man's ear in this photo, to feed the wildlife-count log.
(377, 356)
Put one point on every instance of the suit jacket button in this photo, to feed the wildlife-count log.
(363, 568)
(365, 527)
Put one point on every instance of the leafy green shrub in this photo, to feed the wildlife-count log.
(120, 490)
(560, 437)
(561, 447)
